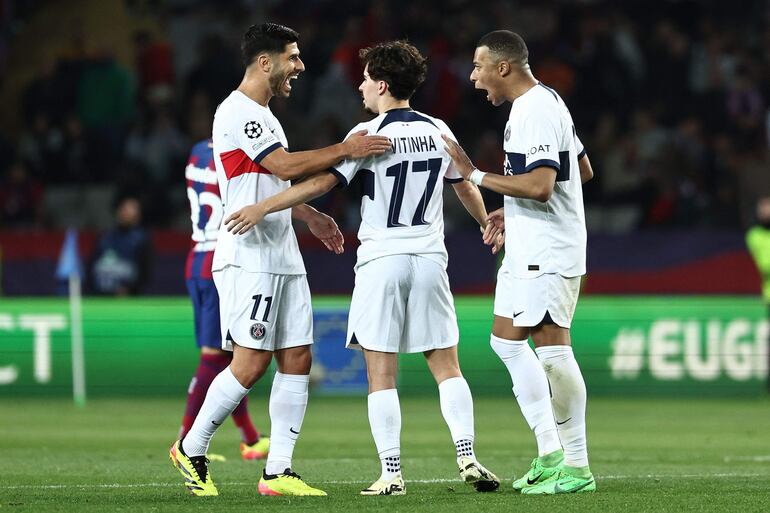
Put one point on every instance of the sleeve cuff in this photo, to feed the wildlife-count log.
(453, 180)
(264, 153)
(582, 154)
(543, 163)
(343, 182)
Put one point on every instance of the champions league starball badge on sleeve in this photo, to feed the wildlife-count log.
(252, 129)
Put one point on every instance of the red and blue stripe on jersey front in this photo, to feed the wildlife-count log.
(200, 173)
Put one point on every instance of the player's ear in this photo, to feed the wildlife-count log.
(504, 68)
(382, 87)
(264, 62)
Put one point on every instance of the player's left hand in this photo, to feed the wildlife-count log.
(495, 226)
(498, 244)
(244, 219)
(461, 161)
(326, 230)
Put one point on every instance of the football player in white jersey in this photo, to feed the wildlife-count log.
(260, 277)
(401, 302)
(539, 281)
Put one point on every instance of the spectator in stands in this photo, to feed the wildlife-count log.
(122, 260)
(21, 195)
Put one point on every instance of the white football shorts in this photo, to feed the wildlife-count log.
(402, 304)
(263, 310)
(527, 301)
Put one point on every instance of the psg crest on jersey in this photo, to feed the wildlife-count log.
(252, 129)
(258, 331)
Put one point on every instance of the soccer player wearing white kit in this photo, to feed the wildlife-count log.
(401, 301)
(539, 281)
(260, 277)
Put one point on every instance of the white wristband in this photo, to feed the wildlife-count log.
(476, 177)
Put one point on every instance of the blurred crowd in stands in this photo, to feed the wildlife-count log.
(670, 98)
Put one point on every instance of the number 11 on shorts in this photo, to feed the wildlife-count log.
(257, 300)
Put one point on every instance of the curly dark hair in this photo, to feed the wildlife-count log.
(399, 64)
(267, 37)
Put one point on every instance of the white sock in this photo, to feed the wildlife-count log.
(457, 409)
(223, 396)
(385, 421)
(569, 401)
(530, 386)
(288, 401)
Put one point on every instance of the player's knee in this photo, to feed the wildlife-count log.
(248, 375)
(296, 360)
(505, 349)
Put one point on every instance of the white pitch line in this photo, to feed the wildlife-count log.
(357, 482)
(753, 459)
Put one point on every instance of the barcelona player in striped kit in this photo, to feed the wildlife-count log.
(206, 215)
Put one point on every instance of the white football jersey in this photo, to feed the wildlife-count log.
(402, 205)
(244, 132)
(545, 237)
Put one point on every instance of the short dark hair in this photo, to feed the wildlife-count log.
(399, 64)
(267, 37)
(506, 45)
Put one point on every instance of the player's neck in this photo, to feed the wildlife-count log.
(523, 83)
(255, 89)
(389, 103)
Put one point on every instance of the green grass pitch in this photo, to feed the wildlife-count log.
(647, 455)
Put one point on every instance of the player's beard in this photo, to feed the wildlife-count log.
(276, 81)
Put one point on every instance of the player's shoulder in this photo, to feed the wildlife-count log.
(538, 104)
(540, 97)
(437, 122)
(238, 107)
(370, 126)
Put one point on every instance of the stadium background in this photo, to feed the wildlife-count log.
(104, 99)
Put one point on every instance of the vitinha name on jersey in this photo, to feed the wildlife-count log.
(679, 349)
(422, 144)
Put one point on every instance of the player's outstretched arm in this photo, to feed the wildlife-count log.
(245, 219)
(298, 164)
(538, 184)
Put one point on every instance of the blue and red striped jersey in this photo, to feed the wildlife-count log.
(205, 209)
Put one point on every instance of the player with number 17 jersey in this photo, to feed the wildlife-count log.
(402, 214)
(402, 205)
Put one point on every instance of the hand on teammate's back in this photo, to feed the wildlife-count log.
(360, 145)
(461, 161)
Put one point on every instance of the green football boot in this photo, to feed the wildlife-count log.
(540, 470)
(566, 480)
